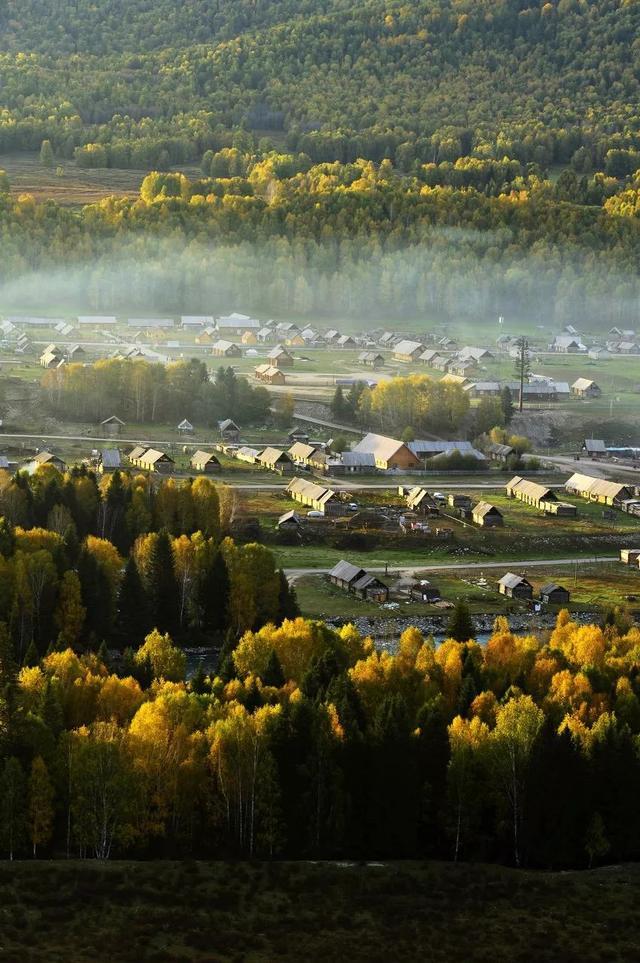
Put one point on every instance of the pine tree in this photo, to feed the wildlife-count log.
(523, 367)
(40, 804)
(288, 607)
(31, 656)
(162, 586)
(273, 674)
(461, 627)
(12, 806)
(211, 596)
(133, 619)
(506, 401)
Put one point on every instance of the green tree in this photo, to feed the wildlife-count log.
(46, 154)
(460, 626)
(40, 804)
(13, 791)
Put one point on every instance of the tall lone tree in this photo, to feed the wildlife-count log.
(523, 366)
(46, 154)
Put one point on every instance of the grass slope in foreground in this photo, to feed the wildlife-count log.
(219, 912)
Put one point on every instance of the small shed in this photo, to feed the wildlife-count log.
(156, 461)
(585, 388)
(424, 592)
(457, 500)
(205, 461)
(515, 586)
(344, 574)
(630, 556)
(228, 429)
(487, 515)
(185, 427)
(276, 460)
(298, 434)
(112, 426)
(290, 520)
(553, 594)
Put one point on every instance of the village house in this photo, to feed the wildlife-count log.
(248, 454)
(462, 368)
(207, 336)
(567, 344)
(599, 490)
(387, 339)
(539, 496)
(331, 336)
(111, 426)
(371, 359)
(594, 448)
(226, 349)
(429, 356)
(585, 388)
(237, 324)
(499, 453)
(599, 354)
(265, 334)
(96, 320)
(346, 341)
(554, 594)
(41, 459)
(300, 453)
(440, 362)
(75, 352)
(389, 453)
(229, 431)
(407, 351)
(515, 586)
(351, 462)
(421, 501)
(317, 497)
(108, 459)
(195, 322)
(475, 354)
(152, 460)
(486, 515)
(482, 389)
(274, 459)
(298, 434)
(269, 374)
(353, 579)
(204, 461)
(149, 324)
(51, 357)
(309, 335)
(295, 341)
(249, 338)
(426, 449)
(279, 357)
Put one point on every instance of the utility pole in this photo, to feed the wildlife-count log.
(523, 369)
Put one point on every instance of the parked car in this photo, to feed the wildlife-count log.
(440, 498)
(353, 506)
(314, 514)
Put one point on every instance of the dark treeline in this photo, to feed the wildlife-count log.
(152, 392)
(156, 85)
(87, 563)
(308, 744)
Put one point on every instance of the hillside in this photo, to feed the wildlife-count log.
(429, 81)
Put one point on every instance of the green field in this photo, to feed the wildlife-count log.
(593, 587)
(215, 912)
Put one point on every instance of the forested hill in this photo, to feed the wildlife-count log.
(426, 81)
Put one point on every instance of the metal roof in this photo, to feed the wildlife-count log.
(595, 445)
(511, 580)
(408, 347)
(346, 572)
(110, 457)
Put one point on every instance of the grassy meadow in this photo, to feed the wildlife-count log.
(220, 912)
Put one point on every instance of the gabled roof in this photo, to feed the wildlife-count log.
(271, 456)
(203, 458)
(222, 345)
(362, 459)
(300, 451)
(595, 445)
(587, 484)
(484, 508)
(365, 581)
(551, 587)
(581, 384)
(152, 455)
(278, 352)
(346, 572)
(511, 580)
(531, 489)
(408, 347)
(110, 458)
(291, 516)
(135, 453)
(502, 450)
(112, 420)
(185, 425)
(227, 423)
(380, 446)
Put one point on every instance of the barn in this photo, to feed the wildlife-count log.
(553, 594)
(487, 515)
(205, 461)
(515, 586)
(599, 490)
